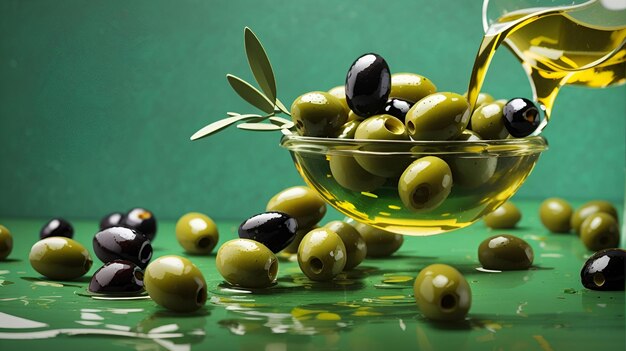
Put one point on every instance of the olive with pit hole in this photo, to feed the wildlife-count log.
(442, 293)
(425, 184)
(375, 159)
(142, 221)
(197, 233)
(605, 270)
(322, 254)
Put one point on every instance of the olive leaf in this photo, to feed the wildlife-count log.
(250, 94)
(282, 122)
(282, 107)
(260, 64)
(259, 126)
(221, 124)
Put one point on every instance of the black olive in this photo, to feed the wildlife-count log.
(521, 117)
(140, 220)
(368, 85)
(111, 220)
(117, 277)
(276, 230)
(57, 227)
(605, 270)
(397, 108)
(122, 243)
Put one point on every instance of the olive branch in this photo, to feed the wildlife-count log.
(265, 99)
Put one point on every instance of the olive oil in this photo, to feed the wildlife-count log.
(557, 46)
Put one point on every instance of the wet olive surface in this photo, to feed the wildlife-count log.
(543, 308)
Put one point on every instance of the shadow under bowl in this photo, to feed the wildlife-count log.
(360, 178)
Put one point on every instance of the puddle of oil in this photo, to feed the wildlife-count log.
(86, 293)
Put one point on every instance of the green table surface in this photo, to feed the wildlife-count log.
(370, 308)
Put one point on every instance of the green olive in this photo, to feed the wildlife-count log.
(301, 203)
(322, 254)
(488, 122)
(348, 173)
(556, 214)
(472, 171)
(380, 243)
(352, 116)
(175, 283)
(442, 293)
(348, 130)
(292, 248)
(504, 217)
(483, 98)
(378, 162)
(599, 231)
(590, 208)
(356, 249)
(505, 252)
(247, 263)
(6, 242)
(318, 114)
(425, 184)
(439, 116)
(197, 233)
(381, 127)
(411, 87)
(340, 93)
(60, 258)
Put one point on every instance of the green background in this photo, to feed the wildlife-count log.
(98, 99)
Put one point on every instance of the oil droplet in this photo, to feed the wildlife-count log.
(397, 279)
(327, 316)
(394, 207)
(365, 193)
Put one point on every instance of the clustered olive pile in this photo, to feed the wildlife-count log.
(377, 105)
(595, 223)
(291, 224)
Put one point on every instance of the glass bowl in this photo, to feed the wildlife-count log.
(485, 174)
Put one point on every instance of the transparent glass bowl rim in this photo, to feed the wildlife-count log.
(477, 148)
